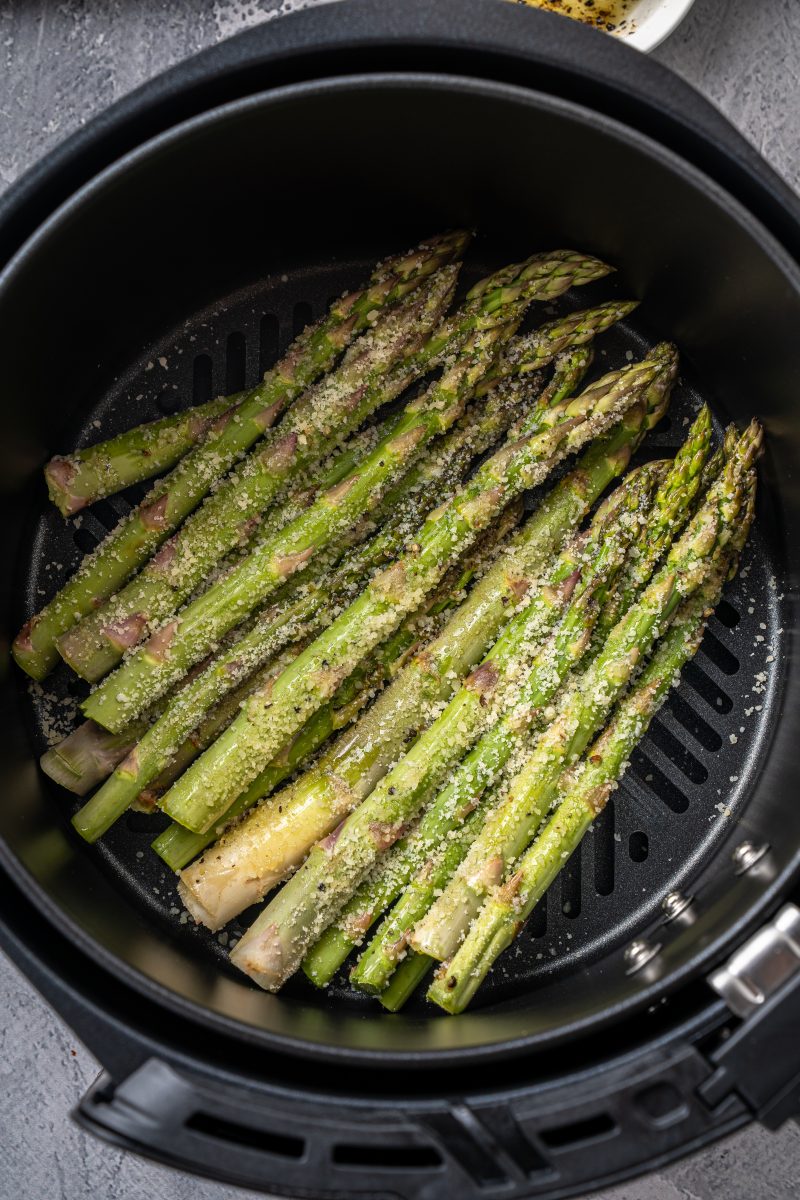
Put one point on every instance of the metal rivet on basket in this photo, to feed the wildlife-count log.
(747, 854)
(675, 903)
(639, 954)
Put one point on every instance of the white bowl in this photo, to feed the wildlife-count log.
(650, 21)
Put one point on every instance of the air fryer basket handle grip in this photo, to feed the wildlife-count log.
(760, 1060)
(188, 1122)
(494, 1150)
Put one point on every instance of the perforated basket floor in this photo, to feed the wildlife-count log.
(687, 781)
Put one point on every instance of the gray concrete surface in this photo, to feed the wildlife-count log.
(62, 62)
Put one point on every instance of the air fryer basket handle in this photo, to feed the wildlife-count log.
(504, 1149)
(760, 1063)
(191, 1123)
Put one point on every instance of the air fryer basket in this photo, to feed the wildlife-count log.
(178, 273)
(689, 781)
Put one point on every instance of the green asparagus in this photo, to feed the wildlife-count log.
(671, 507)
(345, 859)
(89, 754)
(583, 569)
(583, 794)
(240, 752)
(303, 611)
(174, 647)
(584, 707)
(374, 370)
(77, 479)
(174, 497)
(178, 846)
(250, 859)
(405, 980)
(576, 329)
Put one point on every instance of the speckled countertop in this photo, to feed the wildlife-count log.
(61, 63)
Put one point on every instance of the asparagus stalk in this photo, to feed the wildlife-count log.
(576, 329)
(297, 616)
(580, 572)
(178, 846)
(583, 709)
(175, 496)
(671, 510)
(78, 479)
(339, 403)
(180, 643)
(389, 947)
(362, 383)
(238, 755)
(583, 793)
(342, 861)
(671, 507)
(301, 613)
(435, 478)
(251, 858)
(217, 719)
(89, 754)
(405, 980)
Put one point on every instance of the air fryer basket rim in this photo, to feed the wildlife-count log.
(519, 95)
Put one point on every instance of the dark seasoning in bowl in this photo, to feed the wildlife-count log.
(609, 15)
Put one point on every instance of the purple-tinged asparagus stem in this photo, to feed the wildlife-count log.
(172, 499)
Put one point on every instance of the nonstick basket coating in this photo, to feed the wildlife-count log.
(102, 285)
(688, 780)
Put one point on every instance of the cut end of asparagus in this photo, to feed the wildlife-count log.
(36, 660)
(195, 908)
(60, 772)
(215, 899)
(59, 475)
(261, 955)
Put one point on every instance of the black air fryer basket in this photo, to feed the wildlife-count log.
(655, 1000)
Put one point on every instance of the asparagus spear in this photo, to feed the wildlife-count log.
(510, 828)
(238, 755)
(89, 754)
(178, 846)
(405, 980)
(363, 383)
(246, 864)
(576, 329)
(339, 403)
(77, 479)
(174, 497)
(299, 614)
(582, 570)
(671, 507)
(583, 794)
(389, 948)
(293, 919)
(173, 648)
